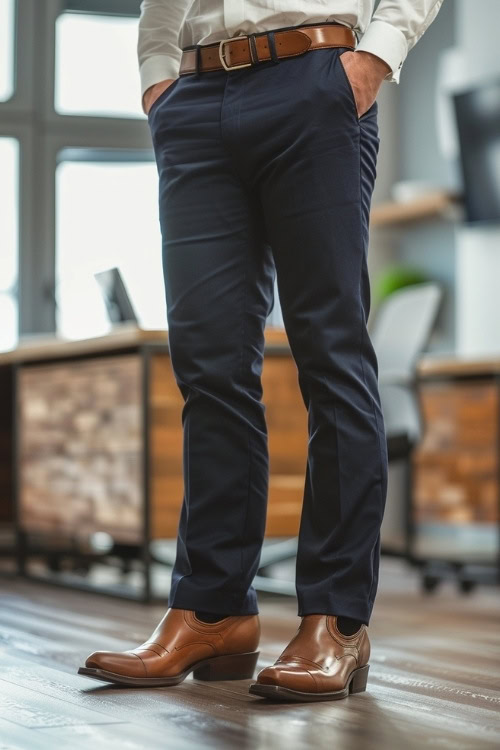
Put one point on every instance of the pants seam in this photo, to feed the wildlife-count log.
(362, 334)
(242, 361)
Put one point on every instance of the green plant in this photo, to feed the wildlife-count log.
(396, 277)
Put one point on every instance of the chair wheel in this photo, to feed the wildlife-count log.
(466, 585)
(430, 583)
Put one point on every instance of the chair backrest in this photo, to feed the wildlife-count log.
(403, 325)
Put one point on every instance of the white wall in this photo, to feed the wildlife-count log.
(477, 24)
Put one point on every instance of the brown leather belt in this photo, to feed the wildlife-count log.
(250, 49)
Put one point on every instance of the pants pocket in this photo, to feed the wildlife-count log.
(347, 83)
(163, 96)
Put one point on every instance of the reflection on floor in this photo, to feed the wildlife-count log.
(434, 678)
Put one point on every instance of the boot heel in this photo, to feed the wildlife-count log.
(358, 679)
(231, 667)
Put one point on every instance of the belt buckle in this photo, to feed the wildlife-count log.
(221, 53)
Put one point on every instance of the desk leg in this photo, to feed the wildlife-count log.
(497, 381)
(20, 535)
(146, 469)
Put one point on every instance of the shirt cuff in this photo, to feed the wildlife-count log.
(388, 43)
(155, 69)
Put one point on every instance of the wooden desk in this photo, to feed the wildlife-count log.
(99, 438)
(457, 464)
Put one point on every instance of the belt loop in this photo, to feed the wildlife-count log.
(254, 57)
(272, 46)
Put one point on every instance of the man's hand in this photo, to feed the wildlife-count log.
(153, 92)
(365, 73)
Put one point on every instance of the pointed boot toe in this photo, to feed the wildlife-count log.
(126, 664)
(287, 676)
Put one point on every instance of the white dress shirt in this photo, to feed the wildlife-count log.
(166, 26)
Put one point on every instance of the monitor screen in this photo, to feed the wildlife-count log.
(478, 121)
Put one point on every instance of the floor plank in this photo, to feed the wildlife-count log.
(434, 678)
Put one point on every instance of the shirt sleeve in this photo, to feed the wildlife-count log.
(157, 45)
(395, 28)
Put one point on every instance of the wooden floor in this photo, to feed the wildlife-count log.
(434, 678)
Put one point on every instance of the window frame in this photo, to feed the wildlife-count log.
(44, 137)
(14, 53)
(124, 8)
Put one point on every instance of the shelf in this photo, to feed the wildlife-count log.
(438, 205)
(449, 364)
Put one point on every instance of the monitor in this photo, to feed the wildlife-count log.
(477, 114)
(116, 298)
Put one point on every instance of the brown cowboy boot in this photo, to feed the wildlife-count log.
(319, 663)
(223, 650)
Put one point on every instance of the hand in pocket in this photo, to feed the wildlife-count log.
(365, 73)
(154, 92)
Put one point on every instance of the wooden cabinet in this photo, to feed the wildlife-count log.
(80, 448)
(456, 466)
(457, 461)
(99, 438)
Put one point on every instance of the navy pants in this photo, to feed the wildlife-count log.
(267, 171)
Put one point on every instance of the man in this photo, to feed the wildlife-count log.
(266, 147)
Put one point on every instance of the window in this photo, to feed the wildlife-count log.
(107, 216)
(97, 71)
(6, 49)
(9, 223)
